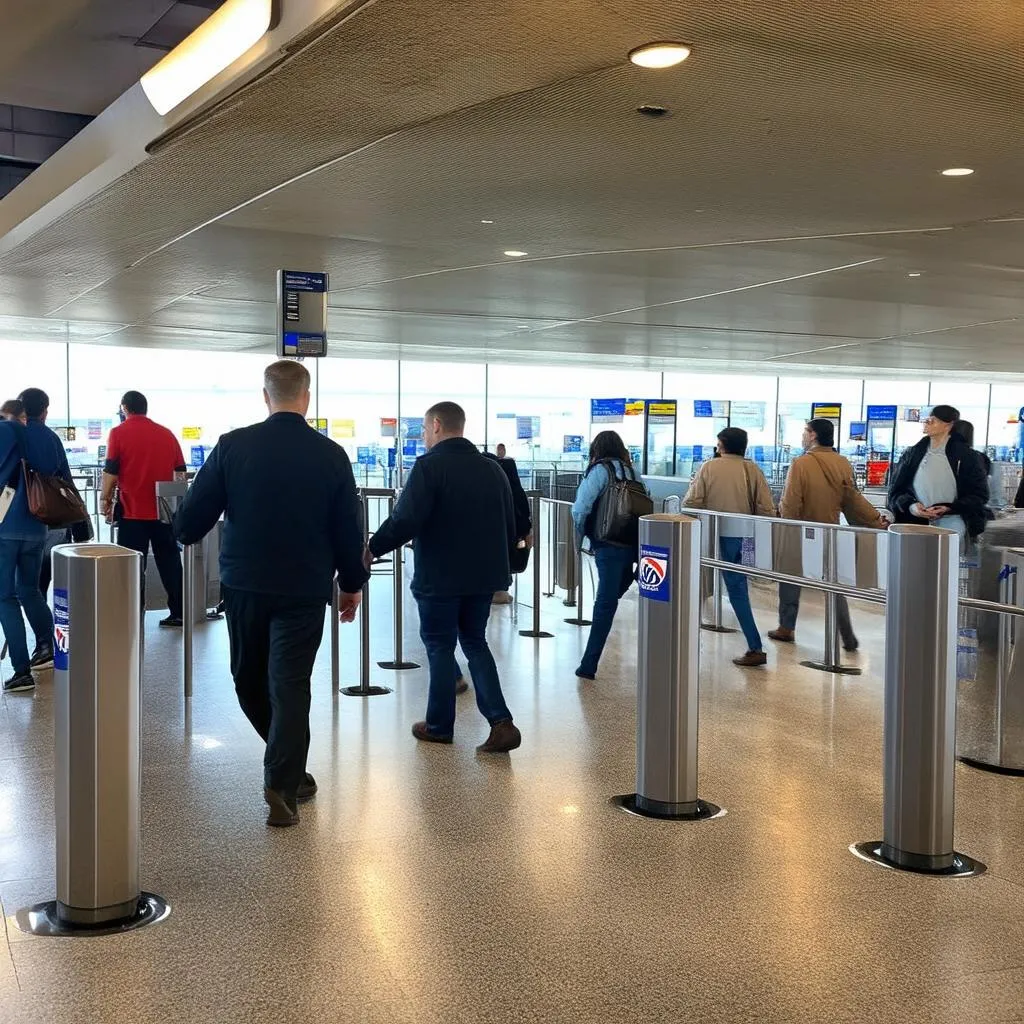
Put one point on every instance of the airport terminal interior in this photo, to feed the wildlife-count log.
(663, 219)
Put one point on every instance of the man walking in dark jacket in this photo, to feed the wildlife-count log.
(456, 507)
(292, 522)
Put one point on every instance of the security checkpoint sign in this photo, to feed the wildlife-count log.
(61, 630)
(652, 575)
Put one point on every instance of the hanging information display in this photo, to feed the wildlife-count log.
(572, 444)
(301, 313)
(661, 411)
(342, 430)
(826, 411)
(635, 407)
(702, 409)
(881, 413)
(527, 428)
(607, 410)
(191, 433)
(747, 414)
(388, 426)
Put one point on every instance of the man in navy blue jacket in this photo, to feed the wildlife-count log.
(22, 538)
(456, 507)
(292, 523)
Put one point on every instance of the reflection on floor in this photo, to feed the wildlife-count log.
(429, 884)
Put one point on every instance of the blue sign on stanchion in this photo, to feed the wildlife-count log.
(652, 573)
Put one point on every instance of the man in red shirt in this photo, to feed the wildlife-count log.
(139, 454)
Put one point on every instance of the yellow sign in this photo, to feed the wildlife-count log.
(191, 433)
(826, 412)
(662, 409)
(342, 428)
(635, 408)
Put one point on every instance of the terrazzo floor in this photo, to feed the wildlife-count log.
(432, 884)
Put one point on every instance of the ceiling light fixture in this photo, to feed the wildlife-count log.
(659, 55)
(916, 273)
(957, 172)
(487, 222)
(231, 30)
(515, 252)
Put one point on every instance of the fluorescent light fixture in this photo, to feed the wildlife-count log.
(487, 222)
(515, 252)
(958, 172)
(915, 273)
(659, 55)
(231, 30)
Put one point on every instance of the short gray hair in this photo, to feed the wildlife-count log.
(452, 417)
(285, 381)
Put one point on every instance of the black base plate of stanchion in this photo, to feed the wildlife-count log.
(539, 635)
(987, 766)
(704, 810)
(579, 622)
(962, 866)
(839, 670)
(368, 691)
(397, 666)
(42, 919)
(717, 629)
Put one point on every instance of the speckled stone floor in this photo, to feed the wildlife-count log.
(429, 884)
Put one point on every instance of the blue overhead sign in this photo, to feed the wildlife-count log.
(881, 413)
(607, 410)
(301, 313)
(703, 410)
(572, 444)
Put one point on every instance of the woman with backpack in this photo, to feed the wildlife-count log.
(615, 558)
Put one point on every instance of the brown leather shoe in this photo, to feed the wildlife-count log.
(421, 732)
(461, 686)
(751, 659)
(783, 636)
(283, 810)
(504, 736)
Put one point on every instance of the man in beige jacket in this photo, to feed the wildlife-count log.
(732, 484)
(819, 486)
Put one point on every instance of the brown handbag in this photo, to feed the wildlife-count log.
(53, 500)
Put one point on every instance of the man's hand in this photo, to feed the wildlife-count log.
(937, 511)
(349, 605)
(918, 510)
(367, 559)
(528, 540)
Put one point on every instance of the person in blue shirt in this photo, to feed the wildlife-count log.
(616, 565)
(23, 537)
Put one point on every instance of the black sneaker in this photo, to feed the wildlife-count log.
(283, 811)
(172, 622)
(307, 789)
(19, 682)
(42, 657)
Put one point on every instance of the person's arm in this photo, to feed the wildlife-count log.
(180, 468)
(972, 487)
(857, 509)
(901, 498)
(204, 503)
(520, 502)
(111, 469)
(592, 486)
(792, 504)
(763, 502)
(347, 536)
(411, 511)
(697, 493)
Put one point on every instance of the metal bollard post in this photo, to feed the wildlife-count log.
(832, 659)
(667, 671)
(537, 633)
(398, 661)
(188, 613)
(96, 751)
(578, 619)
(920, 705)
(715, 625)
(364, 689)
(335, 637)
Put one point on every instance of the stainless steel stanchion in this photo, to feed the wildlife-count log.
(832, 659)
(188, 613)
(920, 705)
(536, 632)
(578, 619)
(364, 689)
(96, 751)
(667, 671)
(335, 637)
(398, 662)
(715, 625)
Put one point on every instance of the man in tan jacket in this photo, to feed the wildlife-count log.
(732, 484)
(818, 487)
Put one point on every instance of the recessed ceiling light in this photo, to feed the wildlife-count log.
(958, 172)
(487, 222)
(515, 252)
(914, 274)
(659, 55)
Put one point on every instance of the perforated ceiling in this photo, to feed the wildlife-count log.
(772, 219)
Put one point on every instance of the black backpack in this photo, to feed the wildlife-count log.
(618, 512)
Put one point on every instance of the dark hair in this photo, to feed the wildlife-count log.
(965, 430)
(824, 431)
(135, 403)
(608, 445)
(946, 413)
(36, 402)
(451, 416)
(734, 440)
(13, 407)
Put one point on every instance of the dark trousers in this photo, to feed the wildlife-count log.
(789, 608)
(445, 621)
(140, 535)
(274, 640)
(615, 575)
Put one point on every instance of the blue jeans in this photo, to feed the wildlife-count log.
(20, 564)
(445, 621)
(615, 575)
(739, 597)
